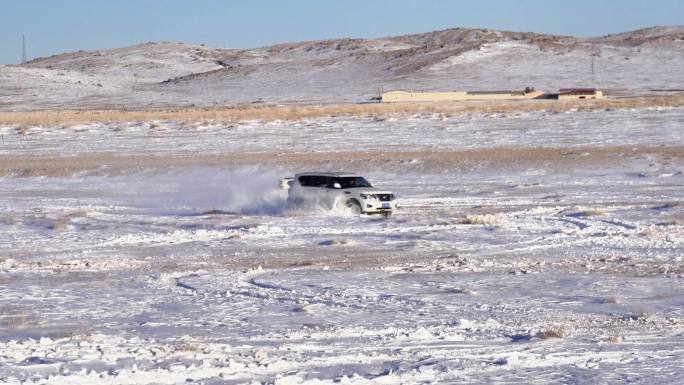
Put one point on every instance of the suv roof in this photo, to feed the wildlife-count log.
(329, 173)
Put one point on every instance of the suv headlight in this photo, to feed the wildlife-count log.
(368, 196)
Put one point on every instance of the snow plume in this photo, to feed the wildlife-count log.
(198, 190)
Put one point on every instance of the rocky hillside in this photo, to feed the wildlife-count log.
(345, 70)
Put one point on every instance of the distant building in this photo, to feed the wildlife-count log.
(579, 93)
(420, 96)
(457, 96)
(412, 96)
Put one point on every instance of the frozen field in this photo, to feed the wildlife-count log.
(529, 248)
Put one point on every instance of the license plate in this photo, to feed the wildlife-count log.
(385, 205)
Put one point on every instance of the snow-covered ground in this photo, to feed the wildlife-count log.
(540, 129)
(564, 268)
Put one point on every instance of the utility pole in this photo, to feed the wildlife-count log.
(594, 67)
(23, 49)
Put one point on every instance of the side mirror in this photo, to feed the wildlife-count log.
(337, 185)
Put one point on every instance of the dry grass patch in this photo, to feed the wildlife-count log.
(610, 299)
(480, 219)
(261, 355)
(557, 331)
(82, 333)
(459, 290)
(427, 159)
(333, 242)
(672, 220)
(189, 347)
(12, 317)
(58, 224)
(218, 212)
(9, 220)
(77, 214)
(303, 263)
(615, 339)
(593, 212)
(583, 212)
(300, 111)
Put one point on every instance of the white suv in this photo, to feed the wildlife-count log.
(332, 189)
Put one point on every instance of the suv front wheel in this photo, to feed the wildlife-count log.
(354, 206)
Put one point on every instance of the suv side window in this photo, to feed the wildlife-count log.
(319, 181)
(313, 181)
(306, 181)
(330, 182)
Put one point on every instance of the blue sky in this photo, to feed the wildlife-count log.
(69, 25)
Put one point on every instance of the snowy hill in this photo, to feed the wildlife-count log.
(345, 70)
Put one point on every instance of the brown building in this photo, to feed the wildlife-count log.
(579, 93)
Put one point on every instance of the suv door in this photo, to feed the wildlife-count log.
(314, 190)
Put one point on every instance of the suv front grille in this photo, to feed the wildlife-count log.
(385, 197)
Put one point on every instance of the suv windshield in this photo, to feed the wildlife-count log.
(352, 182)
